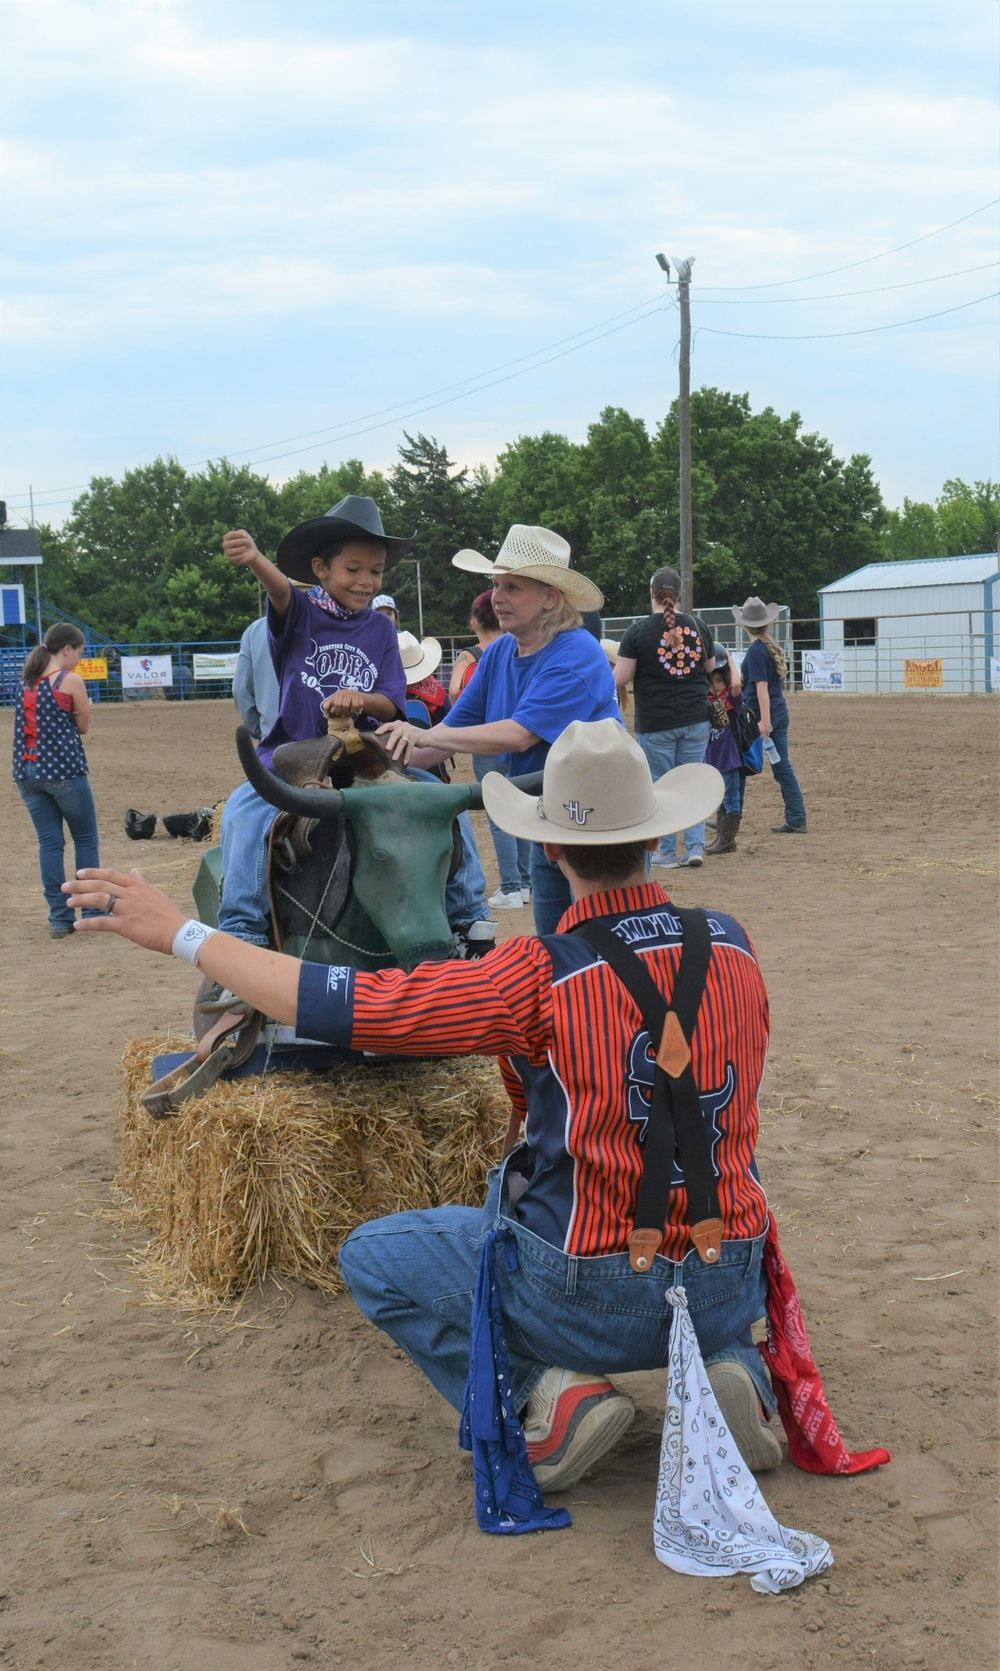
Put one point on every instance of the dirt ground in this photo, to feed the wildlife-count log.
(189, 1494)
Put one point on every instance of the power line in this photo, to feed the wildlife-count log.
(818, 336)
(834, 295)
(829, 271)
(653, 304)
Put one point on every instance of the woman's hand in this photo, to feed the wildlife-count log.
(239, 547)
(400, 738)
(349, 702)
(139, 912)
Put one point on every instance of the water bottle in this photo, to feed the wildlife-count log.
(771, 752)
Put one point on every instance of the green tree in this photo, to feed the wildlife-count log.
(443, 505)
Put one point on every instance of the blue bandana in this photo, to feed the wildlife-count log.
(508, 1498)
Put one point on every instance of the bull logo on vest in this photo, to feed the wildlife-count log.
(578, 814)
(641, 1068)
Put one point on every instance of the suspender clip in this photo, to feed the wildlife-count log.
(707, 1238)
(642, 1246)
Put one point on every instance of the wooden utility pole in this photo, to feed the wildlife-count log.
(683, 269)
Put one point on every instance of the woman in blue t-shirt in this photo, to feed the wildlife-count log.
(543, 672)
(763, 674)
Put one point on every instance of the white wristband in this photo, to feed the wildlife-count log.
(189, 939)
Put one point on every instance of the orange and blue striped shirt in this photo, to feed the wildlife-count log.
(576, 1058)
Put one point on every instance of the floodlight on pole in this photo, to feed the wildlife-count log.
(665, 264)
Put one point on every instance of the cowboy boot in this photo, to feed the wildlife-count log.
(725, 840)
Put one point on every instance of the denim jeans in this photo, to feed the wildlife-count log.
(664, 750)
(414, 1275)
(732, 800)
(51, 802)
(791, 794)
(550, 895)
(513, 856)
(244, 909)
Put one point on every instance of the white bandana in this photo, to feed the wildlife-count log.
(711, 1519)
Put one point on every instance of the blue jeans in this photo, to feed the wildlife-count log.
(414, 1275)
(550, 895)
(682, 746)
(244, 909)
(51, 802)
(513, 856)
(791, 794)
(732, 800)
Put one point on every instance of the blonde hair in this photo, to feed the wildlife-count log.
(773, 648)
(560, 619)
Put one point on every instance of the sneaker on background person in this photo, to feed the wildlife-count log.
(737, 1398)
(506, 901)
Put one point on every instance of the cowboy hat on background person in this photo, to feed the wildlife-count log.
(543, 672)
(420, 657)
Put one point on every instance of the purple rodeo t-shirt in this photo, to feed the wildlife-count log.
(316, 653)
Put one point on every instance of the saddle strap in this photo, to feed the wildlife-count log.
(676, 1126)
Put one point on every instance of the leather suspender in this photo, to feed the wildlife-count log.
(676, 1124)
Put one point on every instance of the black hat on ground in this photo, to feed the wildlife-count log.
(354, 518)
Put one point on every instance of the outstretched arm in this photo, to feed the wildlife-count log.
(144, 914)
(241, 550)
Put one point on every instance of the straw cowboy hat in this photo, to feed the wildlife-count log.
(420, 656)
(538, 554)
(597, 792)
(755, 613)
(353, 518)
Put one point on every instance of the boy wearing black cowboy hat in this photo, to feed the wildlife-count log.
(333, 653)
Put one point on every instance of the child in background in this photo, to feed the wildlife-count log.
(725, 752)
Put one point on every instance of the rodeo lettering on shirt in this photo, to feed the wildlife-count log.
(338, 667)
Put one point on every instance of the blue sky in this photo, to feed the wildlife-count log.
(272, 230)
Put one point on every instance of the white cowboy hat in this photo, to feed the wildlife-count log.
(420, 656)
(538, 554)
(612, 649)
(597, 792)
(755, 613)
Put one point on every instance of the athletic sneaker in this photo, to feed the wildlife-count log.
(571, 1420)
(733, 1386)
(476, 939)
(693, 859)
(671, 862)
(501, 901)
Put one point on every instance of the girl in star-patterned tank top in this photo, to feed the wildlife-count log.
(50, 766)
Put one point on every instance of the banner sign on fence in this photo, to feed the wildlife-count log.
(994, 674)
(221, 666)
(92, 667)
(923, 675)
(146, 672)
(822, 670)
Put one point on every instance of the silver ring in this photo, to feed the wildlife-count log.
(112, 902)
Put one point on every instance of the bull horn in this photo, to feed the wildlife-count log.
(531, 783)
(304, 803)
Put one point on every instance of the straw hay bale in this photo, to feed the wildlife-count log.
(270, 1174)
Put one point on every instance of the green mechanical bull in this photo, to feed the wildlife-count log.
(360, 862)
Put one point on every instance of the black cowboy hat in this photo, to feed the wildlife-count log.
(354, 518)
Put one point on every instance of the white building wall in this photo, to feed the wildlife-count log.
(919, 623)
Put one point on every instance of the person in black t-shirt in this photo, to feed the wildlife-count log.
(668, 658)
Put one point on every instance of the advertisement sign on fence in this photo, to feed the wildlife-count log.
(995, 674)
(221, 666)
(822, 670)
(92, 667)
(146, 672)
(923, 675)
